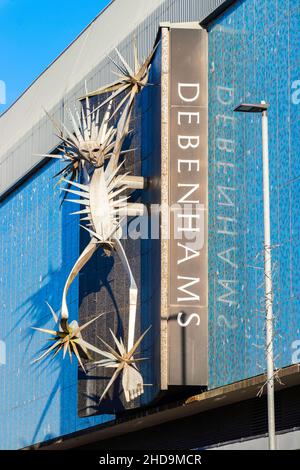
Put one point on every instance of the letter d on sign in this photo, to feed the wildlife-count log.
(195, 89)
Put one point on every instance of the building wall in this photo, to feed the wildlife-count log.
(252, 49)
(254, 54)
(39, 242)
(38, 246)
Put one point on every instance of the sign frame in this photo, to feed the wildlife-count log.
(184, 190)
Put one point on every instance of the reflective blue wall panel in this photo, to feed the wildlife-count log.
(38, 246)
(254, 54)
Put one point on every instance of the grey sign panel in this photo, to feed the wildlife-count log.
(188, 283)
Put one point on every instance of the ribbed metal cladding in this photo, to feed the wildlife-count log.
(20, 159)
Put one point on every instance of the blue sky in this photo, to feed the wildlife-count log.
(33, 33)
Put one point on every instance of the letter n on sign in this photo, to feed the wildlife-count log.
(184, 184)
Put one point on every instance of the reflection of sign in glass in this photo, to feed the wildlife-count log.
(187, 321)
(2, 92)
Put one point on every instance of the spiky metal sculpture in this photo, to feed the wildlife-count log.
(123, 361)
(102, 195)
(68, 338)
(129, 83)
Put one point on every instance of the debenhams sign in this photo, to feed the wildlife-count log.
(187, 193)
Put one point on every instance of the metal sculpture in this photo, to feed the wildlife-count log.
(67, 338)
(103, 194)
(123, 361)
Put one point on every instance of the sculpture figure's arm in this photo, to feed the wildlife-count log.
(79, 264)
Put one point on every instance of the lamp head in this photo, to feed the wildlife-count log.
(251, 107)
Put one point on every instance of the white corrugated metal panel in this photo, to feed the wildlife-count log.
(24, 129)
(286, 440)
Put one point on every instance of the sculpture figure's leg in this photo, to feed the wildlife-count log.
(80, 263)
(133, 293)
(67, 337)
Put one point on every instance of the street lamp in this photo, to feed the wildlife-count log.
(263, 109)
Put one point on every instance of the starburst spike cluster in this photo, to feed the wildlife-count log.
(67, 338)
(93, 179)
(124, 362)
(129, 81)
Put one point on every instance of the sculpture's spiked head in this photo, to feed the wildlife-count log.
(92, 151)
(91, 139)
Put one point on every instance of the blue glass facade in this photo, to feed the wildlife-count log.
(39, 244)
(254, 55)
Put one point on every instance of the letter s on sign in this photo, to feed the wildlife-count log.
(188, 320)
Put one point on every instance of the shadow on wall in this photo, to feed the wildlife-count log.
(39, 245)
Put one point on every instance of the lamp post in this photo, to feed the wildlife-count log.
(263, 109)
